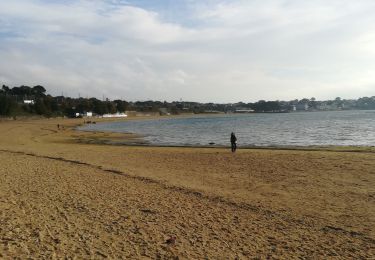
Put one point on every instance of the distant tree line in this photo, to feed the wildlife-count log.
(25, 101)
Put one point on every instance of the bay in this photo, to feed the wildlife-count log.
(338, 128)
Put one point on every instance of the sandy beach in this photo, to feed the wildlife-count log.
(65, 194)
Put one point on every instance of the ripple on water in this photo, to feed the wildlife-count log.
(294, 129)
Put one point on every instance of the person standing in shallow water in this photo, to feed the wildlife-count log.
(233, 142)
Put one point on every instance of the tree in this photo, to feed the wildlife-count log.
(338, 102)
(5, 89)
(22, 91)
(99, 107)
(7, 105)
(121, 106)
(40, 107)
(38, 91)
(84, 105)
(111, 107)
(312, 103)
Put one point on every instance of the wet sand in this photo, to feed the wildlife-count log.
(64, 194)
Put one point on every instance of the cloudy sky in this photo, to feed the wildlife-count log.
(214, 50)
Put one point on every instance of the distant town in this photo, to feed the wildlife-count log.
(28, 101)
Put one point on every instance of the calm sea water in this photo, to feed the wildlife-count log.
(290, 129)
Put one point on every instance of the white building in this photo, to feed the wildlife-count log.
(87, 114)
(302, 107)
(114, 115)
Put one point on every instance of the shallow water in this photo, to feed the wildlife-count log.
(342, 128)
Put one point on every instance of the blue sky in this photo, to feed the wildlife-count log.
(219, 51)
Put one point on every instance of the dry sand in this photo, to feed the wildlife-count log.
(62, 197)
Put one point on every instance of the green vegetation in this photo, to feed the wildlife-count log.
(25, 100)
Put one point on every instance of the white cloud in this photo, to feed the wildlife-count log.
(235, 50)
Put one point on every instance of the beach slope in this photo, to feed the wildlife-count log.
(63, 194)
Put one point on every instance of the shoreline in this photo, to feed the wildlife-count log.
(141, 143)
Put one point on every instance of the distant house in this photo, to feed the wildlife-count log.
(80, 115)
(243, 110)
(87, 114)
(326, 107)
(115, 115)
(163, 111)
(301, 107)
(29, 101)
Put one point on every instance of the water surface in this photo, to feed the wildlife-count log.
(342, 128)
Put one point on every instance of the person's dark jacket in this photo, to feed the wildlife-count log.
(233, 138)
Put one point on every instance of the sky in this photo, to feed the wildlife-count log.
(191, 50)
